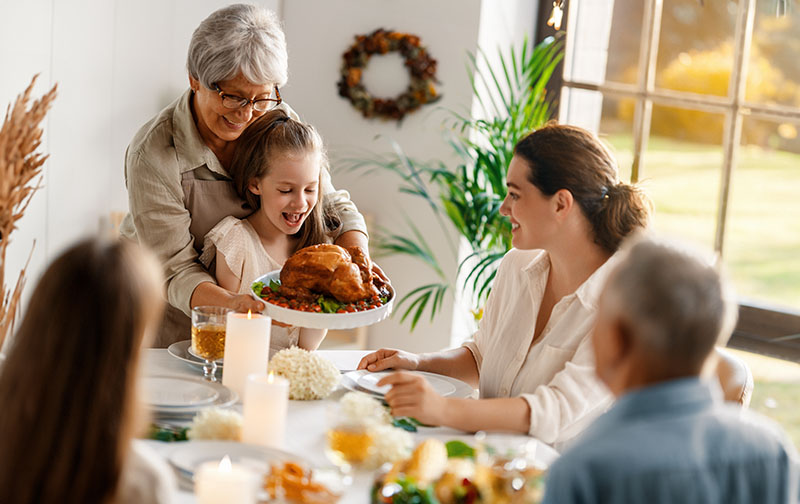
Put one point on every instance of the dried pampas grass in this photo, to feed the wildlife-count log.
(20, 164)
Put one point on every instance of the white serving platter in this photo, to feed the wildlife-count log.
(323, 320)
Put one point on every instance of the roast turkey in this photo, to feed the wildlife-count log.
(344, 274)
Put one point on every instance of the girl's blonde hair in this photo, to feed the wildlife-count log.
(276, 134)
(68, 385)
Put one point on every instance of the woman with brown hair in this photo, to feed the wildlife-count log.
(532, 356)
(68, 385)
(278, 168)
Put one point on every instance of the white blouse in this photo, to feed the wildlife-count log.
(556, 375)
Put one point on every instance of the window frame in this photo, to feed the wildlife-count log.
(761, 328)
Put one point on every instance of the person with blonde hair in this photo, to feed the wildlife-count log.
(531, 356)
(278, 167)
(670, 437)
(69, 382)
(177, 165)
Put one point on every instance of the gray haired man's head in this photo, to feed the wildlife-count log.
(239, 38)
(674, 302)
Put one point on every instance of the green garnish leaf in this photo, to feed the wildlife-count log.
(329, 305)
(168, 435)
(258, 287)
(275, 286)
(459, 449)
(384, 299)
(404, 423)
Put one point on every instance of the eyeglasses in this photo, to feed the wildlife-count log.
(261, 105)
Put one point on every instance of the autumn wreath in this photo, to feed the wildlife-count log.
(421, 67)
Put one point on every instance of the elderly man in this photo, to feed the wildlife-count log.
(669, 438)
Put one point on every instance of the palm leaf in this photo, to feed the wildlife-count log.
(467, 196)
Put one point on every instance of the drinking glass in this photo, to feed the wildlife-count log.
(208, 337)
(349, 441)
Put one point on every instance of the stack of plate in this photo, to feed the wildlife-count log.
(182, 397)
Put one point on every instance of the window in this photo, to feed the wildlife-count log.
(701, 101)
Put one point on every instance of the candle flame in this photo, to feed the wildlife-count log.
(249, 315)
(270, 377)
(225, 464)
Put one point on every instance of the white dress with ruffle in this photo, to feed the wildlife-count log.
(248, 260)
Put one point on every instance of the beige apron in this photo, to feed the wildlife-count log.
(209, 198)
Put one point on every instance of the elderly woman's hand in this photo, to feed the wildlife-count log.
(412, 396)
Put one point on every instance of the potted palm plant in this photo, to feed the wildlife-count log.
(512, 98)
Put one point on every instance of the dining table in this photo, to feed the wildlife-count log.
(306, 427)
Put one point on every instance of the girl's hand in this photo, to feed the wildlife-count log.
(386, 358)
(412, 396)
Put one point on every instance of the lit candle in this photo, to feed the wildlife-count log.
(225, 482)
(266, 400)
(246, 348)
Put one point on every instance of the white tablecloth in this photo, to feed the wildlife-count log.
(306, 422)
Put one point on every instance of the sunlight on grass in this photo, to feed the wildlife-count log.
(762, 239)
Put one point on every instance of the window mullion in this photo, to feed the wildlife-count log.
(733, 118)
(646, 84)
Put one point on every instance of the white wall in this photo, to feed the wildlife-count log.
(448, 28)
(119, 62)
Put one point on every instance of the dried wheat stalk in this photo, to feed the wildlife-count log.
(20, 164)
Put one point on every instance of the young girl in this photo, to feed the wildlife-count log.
(277, 168)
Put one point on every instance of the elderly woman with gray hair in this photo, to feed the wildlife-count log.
(176, 165)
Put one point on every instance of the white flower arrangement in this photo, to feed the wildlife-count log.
(216, 423)
(310, 376)
(389, 443)
(358, 406)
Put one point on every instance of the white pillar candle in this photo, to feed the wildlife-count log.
(266, 401)
(246, 348)
(217, 482)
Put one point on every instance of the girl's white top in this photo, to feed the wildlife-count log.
(248, 260)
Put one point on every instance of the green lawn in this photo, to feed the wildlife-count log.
(762, 244)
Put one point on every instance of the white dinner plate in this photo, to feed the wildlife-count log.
(364, 381)
(187, 457)
(323, 320)
(193, 395)
(180, 350)
(175, 392)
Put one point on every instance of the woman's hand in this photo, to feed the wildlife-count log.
(243, 303)
(412, 396)
(379, 272)
(210, 294)
(386, 358)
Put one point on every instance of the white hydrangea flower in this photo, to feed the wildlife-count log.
(389, 444)
(310, 376)
(216, 423)
(357, 406)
